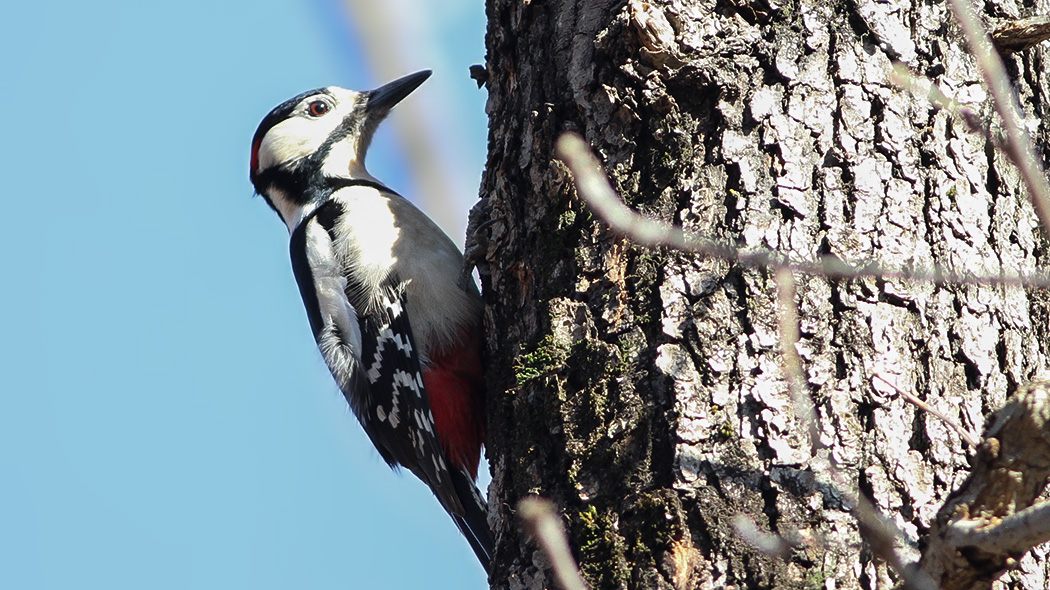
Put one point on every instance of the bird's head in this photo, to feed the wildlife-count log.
(321, 134)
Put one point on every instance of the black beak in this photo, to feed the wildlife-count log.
(384, 98)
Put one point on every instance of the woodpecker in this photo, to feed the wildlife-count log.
(395, 321)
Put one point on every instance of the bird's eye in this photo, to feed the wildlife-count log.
(318, 108)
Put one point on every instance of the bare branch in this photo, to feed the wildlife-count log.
(384, 43)
(542, 523)
(594, 188)
(966, 436)
(1018, 146)
(881, 536)
(1018, 35)
(986, 523)
(1016, 533)
(789, 337)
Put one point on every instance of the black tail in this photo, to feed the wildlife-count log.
(474, 522)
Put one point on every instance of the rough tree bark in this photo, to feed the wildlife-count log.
(642, 390)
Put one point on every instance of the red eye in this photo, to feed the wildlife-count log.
(318, 108)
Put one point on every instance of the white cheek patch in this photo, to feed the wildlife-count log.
(294, 138)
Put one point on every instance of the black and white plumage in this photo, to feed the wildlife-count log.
(381, 286)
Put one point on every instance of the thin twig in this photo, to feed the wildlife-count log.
(966, 436)
(1018, 146)
(880, 534)
(593, 187)
(768, 543)
(922, 88)
(789, 337)
(543, 524)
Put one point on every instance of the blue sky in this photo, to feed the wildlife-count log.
(165, 419)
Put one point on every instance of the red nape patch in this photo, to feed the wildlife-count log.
(455, 386)
(255, 158)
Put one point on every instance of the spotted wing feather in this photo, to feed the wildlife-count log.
(400, 411)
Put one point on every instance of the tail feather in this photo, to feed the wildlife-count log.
(473, 523)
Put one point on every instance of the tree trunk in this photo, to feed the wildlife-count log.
(642, 390)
